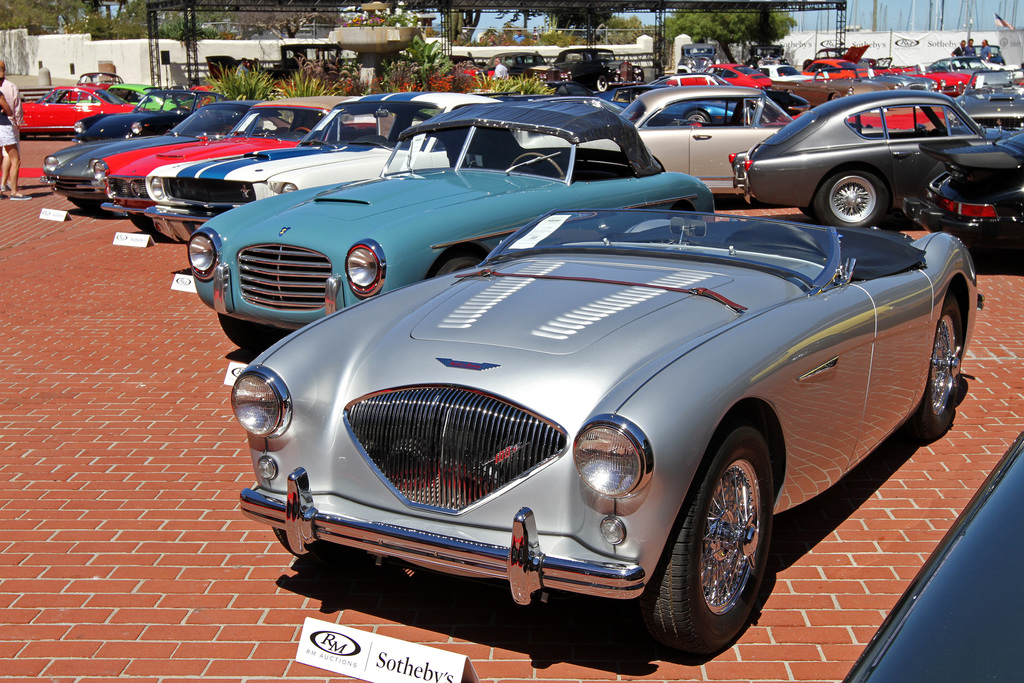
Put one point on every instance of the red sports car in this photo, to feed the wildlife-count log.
(268, 125)
(837, 68)
(741, 75)
(58, 110)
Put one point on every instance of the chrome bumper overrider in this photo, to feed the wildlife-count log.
(177, 224)
(526, 568)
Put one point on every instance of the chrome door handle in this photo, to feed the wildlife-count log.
(701, 137)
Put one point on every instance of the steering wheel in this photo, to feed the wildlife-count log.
(539, 155)
(301, 129)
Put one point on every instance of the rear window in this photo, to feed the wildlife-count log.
(790, 129)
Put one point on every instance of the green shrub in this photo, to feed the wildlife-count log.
(247, 85)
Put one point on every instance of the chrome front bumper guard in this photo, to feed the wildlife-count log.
(526, 568)
(176, 224)
(117, 208)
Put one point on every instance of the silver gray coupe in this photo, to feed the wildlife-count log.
(613, 403)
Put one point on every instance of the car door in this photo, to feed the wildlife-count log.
(906, 128)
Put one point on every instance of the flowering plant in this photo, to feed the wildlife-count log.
(397, 18)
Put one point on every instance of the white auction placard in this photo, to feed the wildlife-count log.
(53, 215)
(234, 370)
(132, 239)
(183, 282)
(379, 659)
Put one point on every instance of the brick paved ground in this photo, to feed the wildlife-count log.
(122, 553)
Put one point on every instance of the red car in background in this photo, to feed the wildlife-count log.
(267, 125)
(741, 75)
(953, 73)
(58, 110)
(837, 68)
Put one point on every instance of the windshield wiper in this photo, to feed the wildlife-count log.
(532, 160)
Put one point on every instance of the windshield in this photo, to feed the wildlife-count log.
(375, 123)
(284, 123)
(503, 150)
(219, 120)
(998, 79)
(181, 100)
(107, 97)
(805, 253)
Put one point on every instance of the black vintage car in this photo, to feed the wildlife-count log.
(596, 68)
(980, 197)
(960, 618)
(155, 114)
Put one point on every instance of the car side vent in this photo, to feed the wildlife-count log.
(448, 447)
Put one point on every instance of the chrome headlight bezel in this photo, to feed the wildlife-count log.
(203, 253)
(365, 268)
(613, 456)
(78, 127)
(50, 163)
(279, 187)
(137, 127)
(99, 169)
(261, 403)
(155, 187)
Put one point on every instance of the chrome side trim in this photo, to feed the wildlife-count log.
(522, 565)
(826, 367)
(479, 238)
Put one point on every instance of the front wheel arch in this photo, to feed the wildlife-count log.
(458, 251)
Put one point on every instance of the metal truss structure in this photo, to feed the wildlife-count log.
(448, 8)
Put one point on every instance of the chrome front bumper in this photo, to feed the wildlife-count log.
(177, 224)
(522, 564)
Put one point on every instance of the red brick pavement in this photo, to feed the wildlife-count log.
(123, 554)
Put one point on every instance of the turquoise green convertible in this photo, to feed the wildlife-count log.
(453, 188)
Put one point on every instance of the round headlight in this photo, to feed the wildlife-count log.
(261, 403)
(99, 171)
(79, 127)
(156, 188)
(137, 128)
(50, 164)
(365, 268)
(612, 457)
(202, 254)
(281, 188)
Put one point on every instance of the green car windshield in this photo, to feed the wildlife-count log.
(806, 253)
(505, 150)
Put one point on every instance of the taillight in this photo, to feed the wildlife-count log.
(732, 158)
(747, 163)
(963, 208)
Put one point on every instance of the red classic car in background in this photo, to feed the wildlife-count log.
(268, 125)
(741, 75)
(58, 110)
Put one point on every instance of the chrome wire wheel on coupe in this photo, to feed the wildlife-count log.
(702, 592)
(731, 537)
(852, 199)
(934, 415)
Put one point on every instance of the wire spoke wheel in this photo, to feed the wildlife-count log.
(945, 364)
(733, 528)
(853, 199)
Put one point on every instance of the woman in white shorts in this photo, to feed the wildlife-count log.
(8, 140)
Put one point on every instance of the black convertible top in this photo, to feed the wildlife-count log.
(576, 122)
(878, 253)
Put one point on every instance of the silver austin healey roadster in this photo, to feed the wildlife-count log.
(612, 403)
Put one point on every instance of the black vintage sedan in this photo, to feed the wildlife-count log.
(155, 114)
(850, 161)
(980, 197)
(960, 618)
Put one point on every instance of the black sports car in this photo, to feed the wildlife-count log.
(959, 620)
(980, 197)
(155, 114)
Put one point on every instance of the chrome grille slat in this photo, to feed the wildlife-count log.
(210, 190)
(283, 277)
(448, 447)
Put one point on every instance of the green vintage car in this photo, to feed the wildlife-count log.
(452, 189)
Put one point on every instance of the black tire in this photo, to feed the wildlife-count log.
(680, 611)
(808, 211)
(248, 335)
(699, 116)
(934, 415)
(457, 262)
(87, 205)
(833, 96)
(601, 84)
(144, 223)
(852, 199)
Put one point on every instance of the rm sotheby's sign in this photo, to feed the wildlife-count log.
(379, 659)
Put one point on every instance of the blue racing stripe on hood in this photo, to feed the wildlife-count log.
(219, 169)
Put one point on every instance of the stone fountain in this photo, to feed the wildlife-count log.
(373, 43)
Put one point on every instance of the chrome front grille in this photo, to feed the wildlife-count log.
(1007, 121)
(448, 447)
(283, 277)
(209, 191)
(128, 188)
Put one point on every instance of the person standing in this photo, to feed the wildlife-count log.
(969, 51)
(958, 51)
(12, 117)
(500, 70)
(986, 50)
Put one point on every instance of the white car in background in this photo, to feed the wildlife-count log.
(351, 143)
(781, 73)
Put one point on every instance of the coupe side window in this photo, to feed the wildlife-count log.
(867, 124)
(919, 121)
